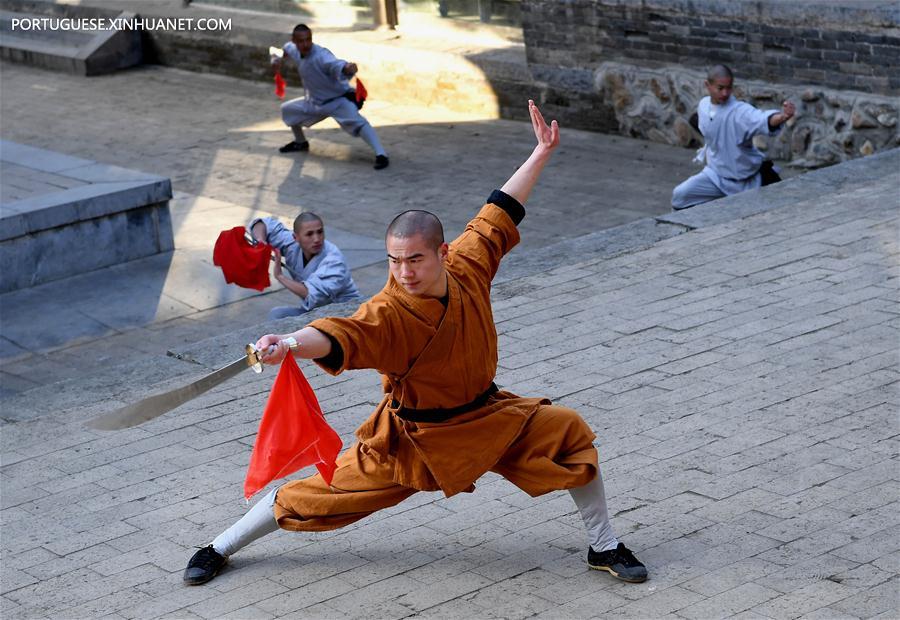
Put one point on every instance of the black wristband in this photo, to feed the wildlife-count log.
(513, 209)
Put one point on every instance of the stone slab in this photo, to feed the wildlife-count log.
(92, 214)
(37, 158)
(603, 244)
(82, 52)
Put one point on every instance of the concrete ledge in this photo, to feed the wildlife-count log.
(81, 52)
(102, 215)
(603, 244)
(106, 190)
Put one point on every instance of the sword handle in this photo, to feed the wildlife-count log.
(253, 353)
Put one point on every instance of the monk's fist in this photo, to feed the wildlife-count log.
(272, 349)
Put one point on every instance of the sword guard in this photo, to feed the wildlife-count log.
(253, 360)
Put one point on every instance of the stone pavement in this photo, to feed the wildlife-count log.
(217, 139)
(742, 378)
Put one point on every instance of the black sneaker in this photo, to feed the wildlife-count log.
(205, 565)
(619, 562)
(293, 147)
(381, 161)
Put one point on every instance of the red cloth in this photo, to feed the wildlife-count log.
(293, 433)
(243, 264)
(279, 86)
(361, 93)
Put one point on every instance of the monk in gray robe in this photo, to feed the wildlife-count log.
(319, 274)
(728, 126)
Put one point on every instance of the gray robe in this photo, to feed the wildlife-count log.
(732, 162)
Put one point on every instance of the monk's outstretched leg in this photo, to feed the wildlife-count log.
(360, 487)
(209, 560)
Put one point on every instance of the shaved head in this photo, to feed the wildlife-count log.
(411, 223)
(717, 72)
(303, 218)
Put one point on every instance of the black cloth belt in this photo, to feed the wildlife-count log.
(442, 415)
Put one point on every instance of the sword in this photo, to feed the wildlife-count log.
(154, 406)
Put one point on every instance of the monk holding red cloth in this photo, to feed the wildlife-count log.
(442, 422)
(242, 264)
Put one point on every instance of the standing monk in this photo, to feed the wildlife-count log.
(728, 126)
(325, 79)
(442, 422)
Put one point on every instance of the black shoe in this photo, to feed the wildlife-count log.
(381, 161)
(619, 562)
(293, 147)
(205, 565)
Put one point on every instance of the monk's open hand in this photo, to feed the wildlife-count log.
(276, 266)
(547, 137)
(272, 349)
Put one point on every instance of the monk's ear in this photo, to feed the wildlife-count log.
(443, 251)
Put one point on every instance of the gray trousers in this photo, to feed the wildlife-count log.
(280, 312)
(695, 190)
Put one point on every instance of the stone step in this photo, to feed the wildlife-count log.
(61, 215)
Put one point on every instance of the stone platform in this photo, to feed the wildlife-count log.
(62, 215)
(73, 50)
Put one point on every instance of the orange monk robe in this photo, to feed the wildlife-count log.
(432, 357)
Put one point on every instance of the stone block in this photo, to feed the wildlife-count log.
(110, 215)
(80, 52)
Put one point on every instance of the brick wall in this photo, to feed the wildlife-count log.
(843, 44)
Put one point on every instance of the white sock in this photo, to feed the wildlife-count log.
(591, 502)
(368, 134)
(259, 521)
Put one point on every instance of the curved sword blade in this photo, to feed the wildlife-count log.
(154, 406)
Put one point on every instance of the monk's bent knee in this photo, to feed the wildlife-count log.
(555, 451)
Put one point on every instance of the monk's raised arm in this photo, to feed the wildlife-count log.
(522, 181)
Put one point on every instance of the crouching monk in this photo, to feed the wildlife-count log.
(442, 422)
(733, 164)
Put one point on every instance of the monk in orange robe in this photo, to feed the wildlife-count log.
(442, 422)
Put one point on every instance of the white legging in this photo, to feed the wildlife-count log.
(260, 520)
(591, 502)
